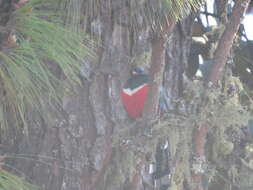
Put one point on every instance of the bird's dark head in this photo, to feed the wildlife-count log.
(137, 71)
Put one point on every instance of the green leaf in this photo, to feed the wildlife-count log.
(32, 73)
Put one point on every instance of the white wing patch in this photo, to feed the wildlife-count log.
(130, 92)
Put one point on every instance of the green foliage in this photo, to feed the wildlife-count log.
(9, 181)
(220, 110)
(44, 63)
(156, 13)
(218, 107)
(147, 13)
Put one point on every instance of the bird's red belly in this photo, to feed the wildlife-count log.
(134, 101)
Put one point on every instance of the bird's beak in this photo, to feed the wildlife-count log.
(134, 73)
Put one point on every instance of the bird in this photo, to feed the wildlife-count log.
(135, 92)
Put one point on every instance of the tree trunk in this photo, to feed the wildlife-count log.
(88, 147)
(177, 53)
(222, 52)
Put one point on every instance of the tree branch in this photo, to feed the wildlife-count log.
(156, 70)
(220, 58)
(222, 52)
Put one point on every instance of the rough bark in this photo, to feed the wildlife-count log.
(177, 53)
(111, 71)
